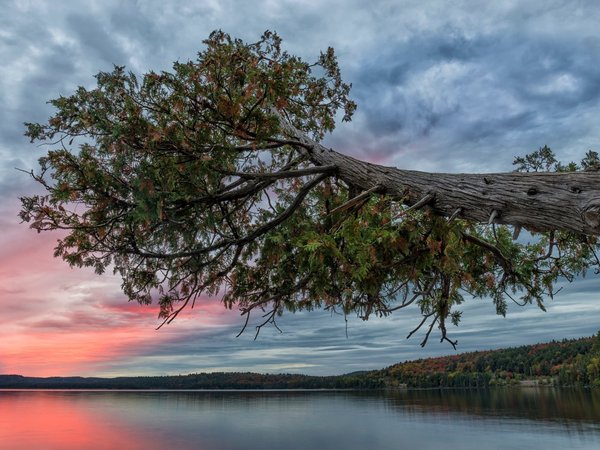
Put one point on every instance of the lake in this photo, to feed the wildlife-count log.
(501, 418)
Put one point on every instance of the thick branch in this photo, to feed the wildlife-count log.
(567, 201)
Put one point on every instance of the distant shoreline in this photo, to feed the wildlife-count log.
(566, 363)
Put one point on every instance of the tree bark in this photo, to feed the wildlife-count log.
(539, 201)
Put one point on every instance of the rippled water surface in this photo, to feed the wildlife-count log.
(495, 419)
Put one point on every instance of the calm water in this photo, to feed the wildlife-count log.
(496, 419)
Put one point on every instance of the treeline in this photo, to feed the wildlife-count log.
(216, 380)
(566, 363)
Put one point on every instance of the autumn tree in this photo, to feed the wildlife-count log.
(211, 178)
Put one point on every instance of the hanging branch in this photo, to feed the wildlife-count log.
(213, 176)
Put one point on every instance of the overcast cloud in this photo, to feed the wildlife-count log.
(459, 86)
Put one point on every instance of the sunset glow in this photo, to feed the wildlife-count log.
(438, 89)
(63, 320)
(72, 425)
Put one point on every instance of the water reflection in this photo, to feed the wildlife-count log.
(499, 418)
(539, 404)
(50, 420)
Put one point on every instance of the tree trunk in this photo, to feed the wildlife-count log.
(536, 201)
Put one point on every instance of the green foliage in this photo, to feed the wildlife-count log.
(152, 189)
(186, 182)
(542, 160)
(558, 363)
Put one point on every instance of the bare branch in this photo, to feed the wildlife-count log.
(285, 174)
(426, 338)
(454, 215)
(551, 244)
(363, 196)
(425, 317)
(516, 232)
(502, 260)
(424, 201)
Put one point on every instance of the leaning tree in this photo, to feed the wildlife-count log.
(211, 178)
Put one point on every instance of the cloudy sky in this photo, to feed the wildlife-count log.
(460, 86)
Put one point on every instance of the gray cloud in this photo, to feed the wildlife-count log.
(96, 38)
(462, 98)
(316, 342)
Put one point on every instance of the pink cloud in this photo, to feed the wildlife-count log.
(61, 321)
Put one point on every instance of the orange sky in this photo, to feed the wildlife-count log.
(60, 321)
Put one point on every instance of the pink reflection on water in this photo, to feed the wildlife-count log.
(50, 420)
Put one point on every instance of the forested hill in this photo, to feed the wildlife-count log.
(565, 363)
